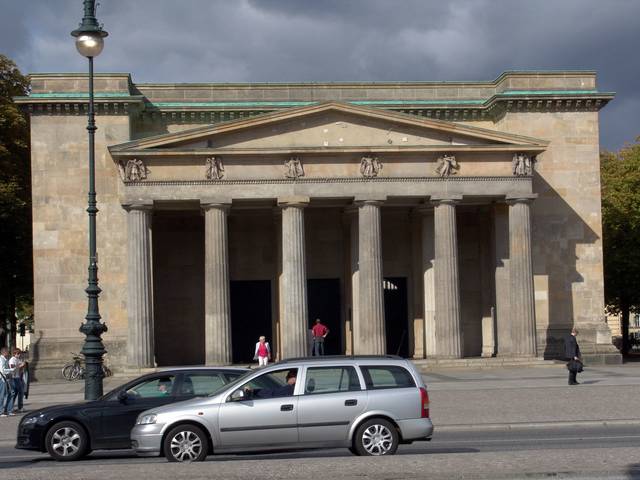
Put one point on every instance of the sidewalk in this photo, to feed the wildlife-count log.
(523, 397)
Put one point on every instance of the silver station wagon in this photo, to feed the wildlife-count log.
(369, 404)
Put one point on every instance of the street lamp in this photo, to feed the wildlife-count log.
(89, 42)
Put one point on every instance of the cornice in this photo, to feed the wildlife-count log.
(364, 149)
(285, 181)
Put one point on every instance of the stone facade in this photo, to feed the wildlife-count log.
(427, 219)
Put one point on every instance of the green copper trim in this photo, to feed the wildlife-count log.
(281, 104)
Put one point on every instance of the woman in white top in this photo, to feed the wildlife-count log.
(263, 352)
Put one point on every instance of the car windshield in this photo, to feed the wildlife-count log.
(232, 384)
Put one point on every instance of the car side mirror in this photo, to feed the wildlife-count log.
(122, 396)
(237, 396)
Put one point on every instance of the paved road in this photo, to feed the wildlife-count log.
(563, 452)
(490, 424)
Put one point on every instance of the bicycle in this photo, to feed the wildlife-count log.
(76, 369)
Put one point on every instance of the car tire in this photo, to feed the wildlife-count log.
(354, 451)
(376, 437)
(67, 441)
(186, 443)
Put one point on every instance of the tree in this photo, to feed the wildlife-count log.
(620, 173)
(15, 197)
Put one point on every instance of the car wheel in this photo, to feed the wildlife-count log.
(66, 441)
(186, 443)
(376, 437)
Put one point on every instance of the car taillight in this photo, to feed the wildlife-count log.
(424, 398)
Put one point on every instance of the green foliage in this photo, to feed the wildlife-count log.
(15, 192)
(620, 174)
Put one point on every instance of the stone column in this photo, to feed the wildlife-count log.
(523, 316)
(447, 292)
(369, 329)
(140, 344)
(294, 278)
(428, 281)
(217, 310)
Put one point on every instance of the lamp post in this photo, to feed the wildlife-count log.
(89, 42)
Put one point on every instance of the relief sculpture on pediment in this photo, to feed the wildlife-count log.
(214, 169)
(522, 164)
(293, 168)
(447, 165)
(133, 170)
(370, 167)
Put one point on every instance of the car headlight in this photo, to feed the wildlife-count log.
(29, 420)
(147, 419)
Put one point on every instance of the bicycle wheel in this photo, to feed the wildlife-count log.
(76, 372)
(67, 371)
(106, 371)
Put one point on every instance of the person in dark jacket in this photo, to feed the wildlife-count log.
(572, 352)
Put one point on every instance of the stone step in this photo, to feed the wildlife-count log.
(427, 365)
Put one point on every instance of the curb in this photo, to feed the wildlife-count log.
(535, 425)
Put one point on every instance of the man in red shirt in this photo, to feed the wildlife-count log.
(319, 332)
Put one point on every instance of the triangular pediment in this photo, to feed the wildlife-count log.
(331, 126)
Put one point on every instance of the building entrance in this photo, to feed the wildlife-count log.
(250, 317)
(396, 316)
(323, 299)
(178, 286)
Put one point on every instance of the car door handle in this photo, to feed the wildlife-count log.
(286, 408)
(350, 403)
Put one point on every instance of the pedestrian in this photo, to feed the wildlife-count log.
(17, 383)
(573, 357)
(319, 332)
(6, 376)
(262, 352)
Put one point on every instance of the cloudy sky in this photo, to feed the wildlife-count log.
(336, 40)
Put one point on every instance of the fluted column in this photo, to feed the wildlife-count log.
(369, 327)
(294, 278)
(140, 344)
(446, 277)
(523, 317)
(217, 310)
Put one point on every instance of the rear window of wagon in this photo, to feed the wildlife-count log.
(378, 377)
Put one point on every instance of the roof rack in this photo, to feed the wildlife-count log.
(341, 357)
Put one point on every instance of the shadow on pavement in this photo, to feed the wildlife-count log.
(125, 456)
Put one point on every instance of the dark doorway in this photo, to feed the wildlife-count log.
(250, 317)
(396, 316)
(323, 299)
(178, 288)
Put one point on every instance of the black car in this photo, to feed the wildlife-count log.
(71, 431)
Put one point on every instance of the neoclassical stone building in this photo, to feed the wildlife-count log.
(434, 220)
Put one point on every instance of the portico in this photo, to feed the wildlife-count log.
(365, 192)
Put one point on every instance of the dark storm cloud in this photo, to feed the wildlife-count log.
(331, 40)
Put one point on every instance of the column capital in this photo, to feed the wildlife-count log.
(299, 201)
(521, 198)
(447, 199)
(215, 202)
(215, 206)
(145, 206)
(377, 200)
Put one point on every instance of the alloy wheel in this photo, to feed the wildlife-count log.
(186, 446)
(66, 441)
(377, 440)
